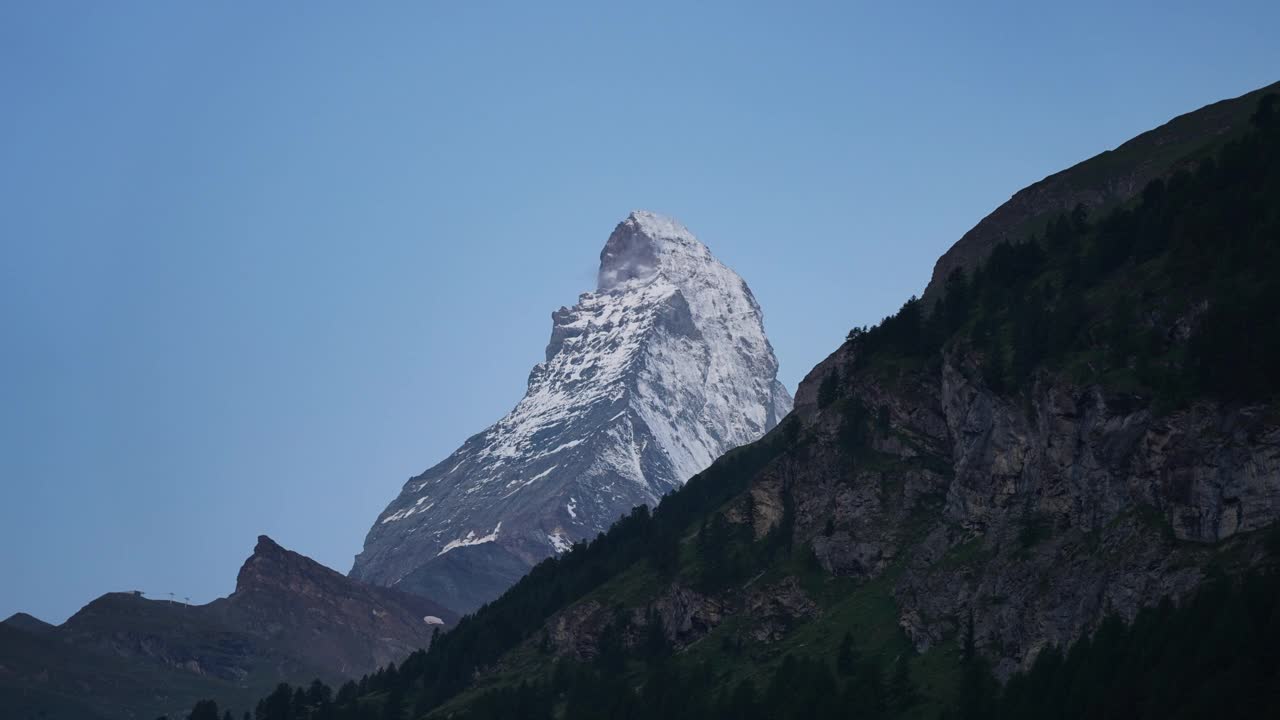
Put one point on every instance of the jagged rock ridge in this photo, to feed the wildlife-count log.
(646, 381)
(305, 608)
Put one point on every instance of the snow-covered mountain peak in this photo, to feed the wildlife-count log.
(657, 225)
(645, 382)
(647, 245)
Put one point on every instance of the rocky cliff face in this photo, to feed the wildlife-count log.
(646, 381)
(1055, 508)
(1038, 515)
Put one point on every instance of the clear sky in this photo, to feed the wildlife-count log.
(262, 262)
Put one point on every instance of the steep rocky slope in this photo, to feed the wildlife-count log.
(1033, 516)
(1047, 510)
(646, 381)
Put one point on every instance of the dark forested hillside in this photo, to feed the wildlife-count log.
(1216, 655)
(1114, 298)
(1048, 496)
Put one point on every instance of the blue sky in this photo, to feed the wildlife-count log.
(260, 265)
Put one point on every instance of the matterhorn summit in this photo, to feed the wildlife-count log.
(646, 381)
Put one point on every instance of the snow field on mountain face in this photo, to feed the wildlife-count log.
(471, 539)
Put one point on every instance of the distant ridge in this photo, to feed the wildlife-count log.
(290, 618)
(27, 623)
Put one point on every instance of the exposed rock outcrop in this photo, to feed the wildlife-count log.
(1047, 511)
